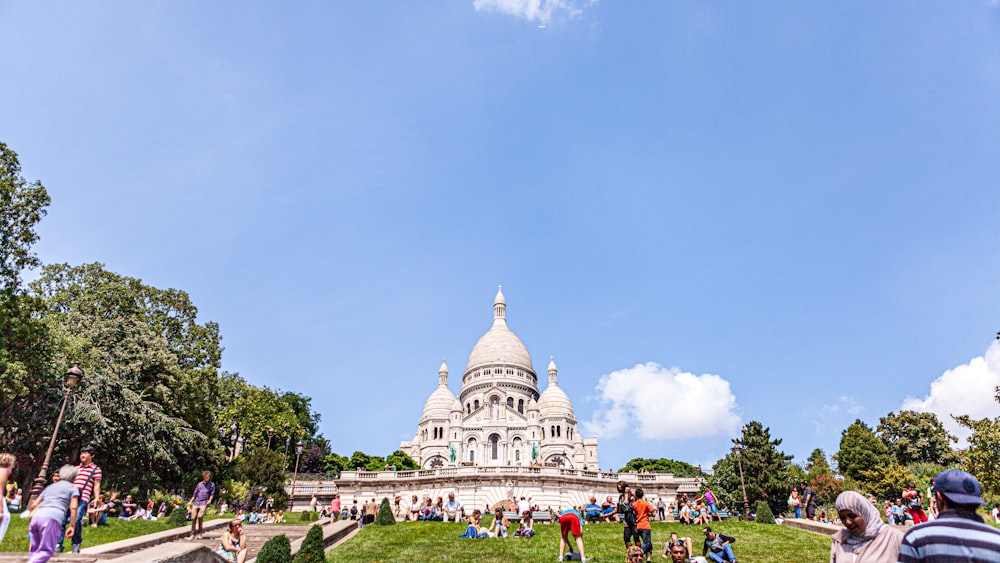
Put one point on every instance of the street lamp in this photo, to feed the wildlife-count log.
(298, 454)
(284, 458)
(72, 376)
(746, 502)
(270, 434)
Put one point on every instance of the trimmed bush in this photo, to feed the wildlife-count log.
(178, 516)
(308, 516)
(764, 514)
(312, 547)
(385, 517)
(276, 550)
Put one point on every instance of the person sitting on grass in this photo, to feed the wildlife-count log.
(609, 511)
(498, 529)
(473, 531)
(718, 547)
(592, 511)
(414, 509)
(96, 511)
(527, 528)
(128, 508)
(684, 514)
(898, 513)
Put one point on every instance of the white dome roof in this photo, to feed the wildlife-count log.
(499, 345)
(554, 402)
(440, 403)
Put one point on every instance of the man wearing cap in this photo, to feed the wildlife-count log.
(88, 481)
(958, 533)
(718, 547)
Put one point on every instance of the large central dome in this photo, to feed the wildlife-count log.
(499, 345)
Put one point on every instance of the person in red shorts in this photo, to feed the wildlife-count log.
(570, 522)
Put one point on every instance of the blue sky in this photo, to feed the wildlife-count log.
(708, 212)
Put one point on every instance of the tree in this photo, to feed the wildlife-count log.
(765, 470)
(821, 478)
(917, 437)
(661, 465)
(861, 451)
(311, 550)
(764, 514)
(335, 463)
(980, 458)
(886, 481)
(22, 206)
(385, 517)
(401, 461)
(276, 550)
(261, 468)
(369, 462)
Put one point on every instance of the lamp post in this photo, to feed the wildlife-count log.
(298, 453)
(72, 376)
(270, 434)
(737, 449)
(284, 458)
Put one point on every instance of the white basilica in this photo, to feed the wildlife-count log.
(499, 418)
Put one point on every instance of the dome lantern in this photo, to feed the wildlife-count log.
(499, 308)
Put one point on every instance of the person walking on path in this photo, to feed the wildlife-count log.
(335, 508)
(864, 536)
(7, 462)
(809, 501)
(958, 533)
(204, 492)
(48, 512)
(88, 481)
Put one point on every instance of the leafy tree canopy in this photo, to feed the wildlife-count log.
(980, 458)
(766, 470)
(917, 437)
(861, 451)
(661, 465)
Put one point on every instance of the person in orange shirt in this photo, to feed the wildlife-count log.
(643, 510)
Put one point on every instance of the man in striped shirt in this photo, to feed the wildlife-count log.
(958, 534)
(88, 480)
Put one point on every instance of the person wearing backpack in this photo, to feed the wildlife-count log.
(809, 500)
(627, 515)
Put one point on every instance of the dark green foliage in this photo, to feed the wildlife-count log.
(765, 469)
(178, 516)
(861, 451)
(661, 465)
(764, 514)
(369, 462)
(917, 437)
(261, 468)
(385, 517)
(308, 516)
(402, 461)
(335, 463)
(312, 547)
(276, 550)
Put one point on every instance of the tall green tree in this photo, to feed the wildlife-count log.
(861, 451)
(821, 477)
(917, 437)
(765, 470)
(27, 378)
(980, 458)
(401, 461)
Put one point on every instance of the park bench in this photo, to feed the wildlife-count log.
(724, 514)
(536, 516)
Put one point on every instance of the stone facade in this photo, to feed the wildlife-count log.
(499, 418)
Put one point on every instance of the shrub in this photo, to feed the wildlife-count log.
(764, 514)
(178, 516)
(385, 517)
(312, 547)
(277, 550)
(308, 516)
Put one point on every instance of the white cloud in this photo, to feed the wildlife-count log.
(833, 416)
(658, 403)
(966, 389)
(541, 11)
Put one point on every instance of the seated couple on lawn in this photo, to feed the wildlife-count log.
(500, 528)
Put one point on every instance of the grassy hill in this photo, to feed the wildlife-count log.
(435, 541)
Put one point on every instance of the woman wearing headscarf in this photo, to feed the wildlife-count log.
(865, 538)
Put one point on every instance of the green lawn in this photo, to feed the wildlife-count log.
(436, 541)
(17, 540)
